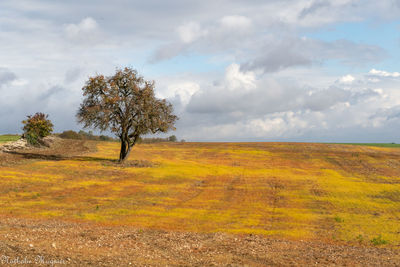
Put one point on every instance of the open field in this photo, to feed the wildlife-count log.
(8, 138)
(336, 194)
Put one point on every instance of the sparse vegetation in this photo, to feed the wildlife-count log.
(338, 219)
(376, 241)
(360, 239)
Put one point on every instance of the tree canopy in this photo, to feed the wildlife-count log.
(125, 104)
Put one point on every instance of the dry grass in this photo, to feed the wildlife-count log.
(285, 190)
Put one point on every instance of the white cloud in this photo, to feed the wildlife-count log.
(85, 31)
(190, 32)
(347, 79)
(373, 80)
(382, 73)
(184, 90)
(236, 22)
(278, 124)
(224, 34)
(236, 79)
(19, 82)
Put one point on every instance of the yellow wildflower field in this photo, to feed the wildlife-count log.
(285, 190)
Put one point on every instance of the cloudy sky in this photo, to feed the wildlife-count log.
(235, 70)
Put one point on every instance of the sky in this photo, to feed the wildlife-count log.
(234, 70)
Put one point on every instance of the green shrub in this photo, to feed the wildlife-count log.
(378, 240)
(70, 135)
(32, 138)
(36, 127)
(172, 138)
(338, 219)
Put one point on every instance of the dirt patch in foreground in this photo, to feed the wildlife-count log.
(57, 149)
(51, 242)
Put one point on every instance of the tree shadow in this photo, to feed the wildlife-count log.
(58, 157)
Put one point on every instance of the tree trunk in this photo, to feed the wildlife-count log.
(125, 150)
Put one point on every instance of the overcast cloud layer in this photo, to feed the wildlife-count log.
(238, 70)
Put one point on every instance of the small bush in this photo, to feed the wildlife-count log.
(36, 127)
(338, 219)
(70, 135)
(378, 240)
(172, 138)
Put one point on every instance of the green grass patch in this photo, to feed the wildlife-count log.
(371, 144)
(8, 138)
(378, 241)
(338, 219)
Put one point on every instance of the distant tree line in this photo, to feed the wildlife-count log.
(82, 135)
(151, 140)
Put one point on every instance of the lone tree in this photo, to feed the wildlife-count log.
(36, 127)
(172, 138)
(125, 104)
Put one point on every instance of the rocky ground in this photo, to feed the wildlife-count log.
(51, 242)
(22, 144)
(11, 146)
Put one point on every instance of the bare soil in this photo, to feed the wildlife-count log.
(58, 149)
(53, 242)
